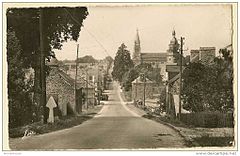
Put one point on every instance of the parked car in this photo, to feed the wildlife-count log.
(104, 97)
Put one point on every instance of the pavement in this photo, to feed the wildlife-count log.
(114, 127)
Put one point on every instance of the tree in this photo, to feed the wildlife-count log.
(209, 87)
(122, 63)
(151, 73)
(110, 60)
(193, 87)
(129, 77)
(19, 87)
(60, 25)
(87, 59)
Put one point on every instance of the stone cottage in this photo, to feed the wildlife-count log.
(61, 87)
(151, 88)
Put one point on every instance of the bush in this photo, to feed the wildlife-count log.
(208, 119)
(40, 128)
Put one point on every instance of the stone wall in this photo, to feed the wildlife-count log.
(207, 54)
(55, 84)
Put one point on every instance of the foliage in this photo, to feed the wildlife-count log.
(162, 100)
(135, 72)
(19, 87)
(151, 73)
(58, 27)
(129, 77)
(87, 59)
(122, 63)
(209, 87)
(110, 60)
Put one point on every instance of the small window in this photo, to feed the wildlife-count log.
(90, 78)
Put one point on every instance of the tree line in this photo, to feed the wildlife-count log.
(206, 86)
(23, 53)
(125, 72)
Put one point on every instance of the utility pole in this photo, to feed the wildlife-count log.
(144, 88)
(180, 78)
(75, 84)
(136, 90)
(87, 87)
(42, 66)
(98, 88)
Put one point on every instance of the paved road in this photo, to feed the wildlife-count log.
(115, 127)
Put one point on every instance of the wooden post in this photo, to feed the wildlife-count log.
(98, 88)
(144, 88)
(75, 84)
(180, 78)
(87, 88)
(42, 67)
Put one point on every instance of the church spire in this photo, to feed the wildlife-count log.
(137, 41)
(137, 50)
(173, 33)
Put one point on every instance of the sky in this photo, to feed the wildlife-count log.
(105, 28)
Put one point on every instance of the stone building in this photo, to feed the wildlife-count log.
(158, 60)
(61, 87)
(151, 88)
(205, 55)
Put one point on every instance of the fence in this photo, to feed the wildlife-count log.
(208, 119)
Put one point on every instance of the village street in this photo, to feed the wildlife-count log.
(114, 127)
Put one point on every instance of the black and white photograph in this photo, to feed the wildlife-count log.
(119, 76)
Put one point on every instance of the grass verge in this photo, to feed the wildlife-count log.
(63, 123)
(206, 141)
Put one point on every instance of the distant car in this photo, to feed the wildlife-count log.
(105, 97)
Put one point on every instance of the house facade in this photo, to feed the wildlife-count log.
(61, 87)
(151, 89)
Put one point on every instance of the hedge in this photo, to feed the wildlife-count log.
(208, 119)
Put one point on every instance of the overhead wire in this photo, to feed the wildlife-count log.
(76, 21)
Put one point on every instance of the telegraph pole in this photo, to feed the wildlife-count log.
(87, 87)
(180, 78)
(75, 84)
(144, 88)
(42, 66)
(98, 88)
(136, 91)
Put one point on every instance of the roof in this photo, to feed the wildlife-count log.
(154, 57)
(53, 62)
(71, 81)
(207, 48)
(138, 80)
(67, 78)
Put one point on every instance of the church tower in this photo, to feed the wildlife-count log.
(173, 49)
(137, 50)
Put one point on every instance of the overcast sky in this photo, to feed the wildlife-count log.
(202, 25)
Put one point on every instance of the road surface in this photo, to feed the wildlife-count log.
(114, 127)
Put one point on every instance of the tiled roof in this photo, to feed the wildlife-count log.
(67, 78)
(154, 56)
(138, 80)
(53, 62)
